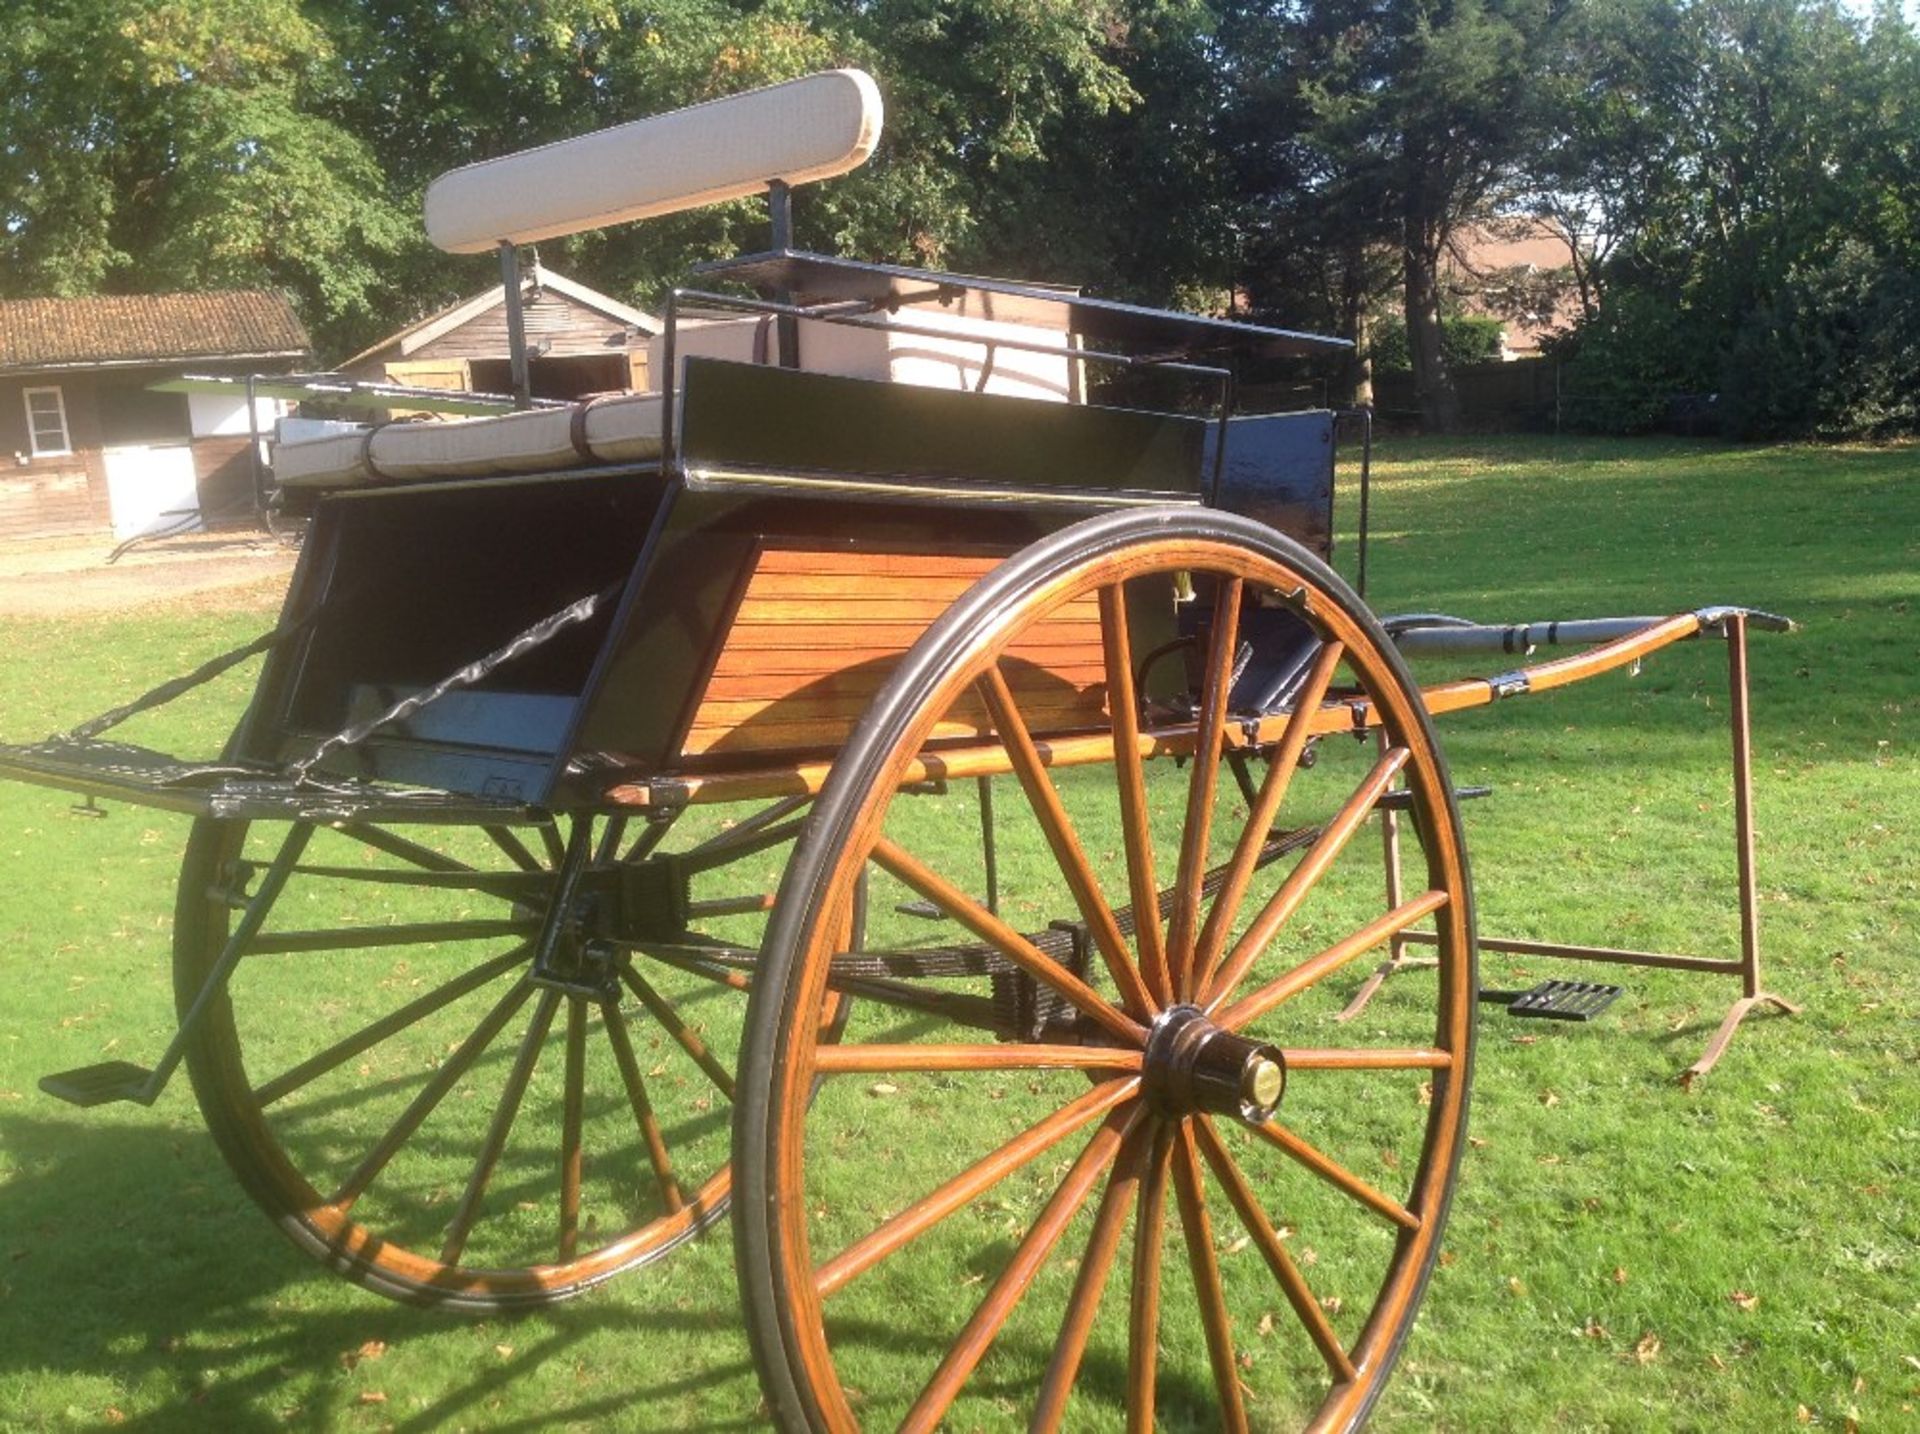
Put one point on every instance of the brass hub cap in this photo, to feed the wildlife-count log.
(1194, 1065)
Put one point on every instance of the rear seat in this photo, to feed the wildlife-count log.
(625, 428)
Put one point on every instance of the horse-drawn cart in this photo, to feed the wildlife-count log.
(612, 833)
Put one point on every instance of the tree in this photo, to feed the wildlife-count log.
(156, 144)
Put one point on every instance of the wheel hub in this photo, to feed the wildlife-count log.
(1195, 1065)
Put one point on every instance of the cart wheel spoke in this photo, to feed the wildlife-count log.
(664, 1012)
(1284, 902)
(1103, 1244)
(572, 1119)
(1010, 943)
(1143, 1310)
(643, 1116)
(1204, 779)
(366, 1038)
(914, 1221)
(1292, 1283)
(1316, 968)
(1189, 1190)
(550, 838)
(1123, 703)
(515, 849)
(988, 1319)
(1335, 1174)
(1067, 852)
(504, 1115)
(431, 1095)
(380, 839)
(1264, 810)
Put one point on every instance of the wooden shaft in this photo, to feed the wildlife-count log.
(840, 1060)
(1737, 693)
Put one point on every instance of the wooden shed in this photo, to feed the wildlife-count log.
(92, 448)
(580, 341)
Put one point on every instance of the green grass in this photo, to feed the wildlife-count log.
(1605, 1221)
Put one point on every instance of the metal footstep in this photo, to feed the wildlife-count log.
(1557, 1000)
(103, 1084)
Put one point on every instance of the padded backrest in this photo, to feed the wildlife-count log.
(807, 129)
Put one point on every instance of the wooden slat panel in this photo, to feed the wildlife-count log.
(818, 631)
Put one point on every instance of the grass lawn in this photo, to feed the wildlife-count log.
(1623, 1253)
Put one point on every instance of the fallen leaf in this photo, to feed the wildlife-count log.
(1743, 1300)
(1515, 1287)
(115, 1416)
(1522, 1040)
(372, 1396)
(1476, 1142)
(1238, 1245)
(1447, 1257)
(1332, 1304)
(1426, 1092)
(1594, 1329)
(373, 1349)
(1549, 1099)
(1802, 1414)
(1716, 1361)
(1648, 1349)
(883, 1087)
(505, 1351)
(1265, 1327)
(1619, 1275)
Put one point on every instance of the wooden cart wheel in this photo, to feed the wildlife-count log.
(411, 1107)
(1279, 1182)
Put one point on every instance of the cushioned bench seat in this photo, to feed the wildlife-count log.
(622, 428)
(954, 351)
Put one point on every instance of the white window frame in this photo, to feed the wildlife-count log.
(33, 428)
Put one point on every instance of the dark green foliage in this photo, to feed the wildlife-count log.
(1464, 339)
(1835, 355)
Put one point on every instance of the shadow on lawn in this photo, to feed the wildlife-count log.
(133, 1270)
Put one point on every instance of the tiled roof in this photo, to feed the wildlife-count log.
(115, 328)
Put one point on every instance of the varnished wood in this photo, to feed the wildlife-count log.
(1003, 938)
(435, 1091)
(971, 1346)
(919, 1217)
(1362, 1058)
(1068, 854)
(505, 1112)
(1136, 825)
(643, 1116)
(1284, 762)
(1267, 1240)
(682, 1033)
(1090, 1283)
(1318, 967)
(1203, 782)
(1303, 878)
(1335, 1174)
(839, 1060)
(1210, 1292)
(1143, 1302)
(572, 1118)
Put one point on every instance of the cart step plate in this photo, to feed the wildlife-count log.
(103, 1084)
(1557, 1000)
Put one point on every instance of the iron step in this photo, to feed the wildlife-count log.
(1557, 1000)
(103, 1084)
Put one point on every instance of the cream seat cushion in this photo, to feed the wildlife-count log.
(620, 429)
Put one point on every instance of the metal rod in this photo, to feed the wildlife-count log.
(251, 920)
(516, 325)
(1743, 803)
(1612, 954)
(786, 328)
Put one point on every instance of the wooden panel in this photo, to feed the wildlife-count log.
(817, 632)
(47, 502)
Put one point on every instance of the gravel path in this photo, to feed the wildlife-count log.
(68, 577)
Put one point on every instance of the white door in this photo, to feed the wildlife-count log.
(150, 487)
